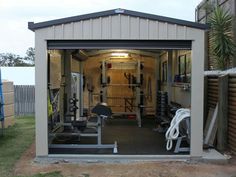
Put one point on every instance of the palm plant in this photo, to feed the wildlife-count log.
(221, 37)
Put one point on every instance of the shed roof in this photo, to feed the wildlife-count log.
(34, 26)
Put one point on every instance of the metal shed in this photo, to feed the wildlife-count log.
(120, 29)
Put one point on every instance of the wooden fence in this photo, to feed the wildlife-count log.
(232, 113)
(24, 100)
(213, 89)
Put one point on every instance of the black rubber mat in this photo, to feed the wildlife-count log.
(131, 139)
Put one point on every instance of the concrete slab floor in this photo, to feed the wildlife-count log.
(209, 156)
(213, 156)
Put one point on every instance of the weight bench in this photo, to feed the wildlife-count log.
(102, 112)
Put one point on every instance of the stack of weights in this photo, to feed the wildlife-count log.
(73, 108)
(162, 105)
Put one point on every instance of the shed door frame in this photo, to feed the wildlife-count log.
(197, 80)
(120, 44)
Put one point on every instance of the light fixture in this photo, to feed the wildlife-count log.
(119, 54)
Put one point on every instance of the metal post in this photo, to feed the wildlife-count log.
(104, 82)
(138, 95)
(169, 76)
(99, 129)
(81, 93)
(62, 87)
(67, 63)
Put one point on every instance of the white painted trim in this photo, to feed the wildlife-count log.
(197, 95)
(41, 113)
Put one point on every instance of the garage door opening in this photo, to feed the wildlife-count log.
(117, 101)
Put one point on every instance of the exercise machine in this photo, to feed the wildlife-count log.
(102, 112)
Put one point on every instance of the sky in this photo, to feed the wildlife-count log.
(19, 75)
(15, 15)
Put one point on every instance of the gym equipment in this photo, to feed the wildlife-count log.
(162, 105)
(102, 112)
(161, 111)
(177, 128)
(121, 100)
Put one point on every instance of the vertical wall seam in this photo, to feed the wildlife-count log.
(110, 26)
(72, 30)
(62, 29)
(176, 31)
(129, 27)
(185, 32)
(119, 26)
(53, 31)
(158, 30)
(91, 28)
(138, 22)
(166, 29)
(82, 29)
(100, 21)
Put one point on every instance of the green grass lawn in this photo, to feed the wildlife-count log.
(14, 142)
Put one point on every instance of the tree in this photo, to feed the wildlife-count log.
(30, 55)
(10, 59)
(221, 37)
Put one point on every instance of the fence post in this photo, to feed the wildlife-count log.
(222, 112)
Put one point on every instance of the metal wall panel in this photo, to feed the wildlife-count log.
(118, 27)
(134, 28)
(143, 26)
(68, 31)
(125, 27)
(162, 30)
(78, 30)
(97, 28)
(106, 32)
(115, 27)
(58, 32)
(171, 31)
(86, 29)
(153, 29)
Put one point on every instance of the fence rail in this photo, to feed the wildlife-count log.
(24, 100)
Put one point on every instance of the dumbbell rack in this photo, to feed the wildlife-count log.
(161, 105)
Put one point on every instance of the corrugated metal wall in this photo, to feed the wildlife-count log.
(232, 113)
(24, 100)
(118, 27)
(212, 99)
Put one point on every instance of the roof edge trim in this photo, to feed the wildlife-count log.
(34, 26)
